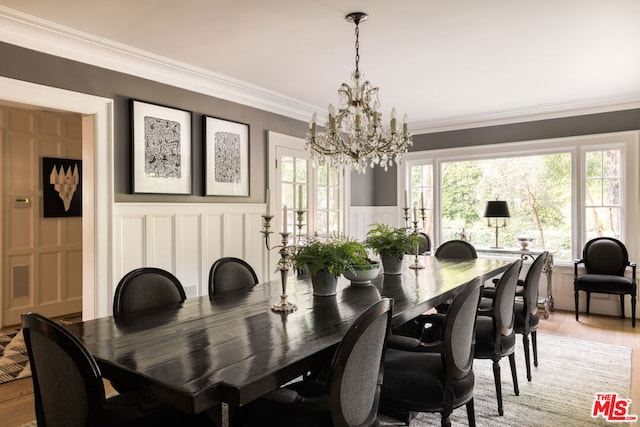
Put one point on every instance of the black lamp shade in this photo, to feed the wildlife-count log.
(497, 209)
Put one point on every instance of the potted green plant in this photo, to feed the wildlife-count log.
(327, 260)
(391, 243)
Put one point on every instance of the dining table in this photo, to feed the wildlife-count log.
(233, 349)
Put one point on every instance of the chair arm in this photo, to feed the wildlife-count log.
(577, 262)
(434, 319)
(402, 342)
(633, 266)
(426, 347)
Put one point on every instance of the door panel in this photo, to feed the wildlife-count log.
(41, 257)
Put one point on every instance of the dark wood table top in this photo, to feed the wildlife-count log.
(235, 349)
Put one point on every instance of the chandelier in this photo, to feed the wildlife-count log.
(354, 135)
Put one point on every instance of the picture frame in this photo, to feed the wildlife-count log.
(161, 149)
(61, 187)
(226, 154)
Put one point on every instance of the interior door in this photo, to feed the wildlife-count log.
(41, 257)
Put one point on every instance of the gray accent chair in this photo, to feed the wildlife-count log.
(351, 395)
(230, 274)
(434, 376)
(69, 389)
(526, 310)
(495, 334)
(606, 260)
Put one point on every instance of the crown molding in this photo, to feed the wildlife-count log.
(47, 37)
(579, 107)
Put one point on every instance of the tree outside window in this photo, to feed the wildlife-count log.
(536, 188)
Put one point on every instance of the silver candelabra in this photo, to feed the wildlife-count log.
(286, 251)
(417, 264)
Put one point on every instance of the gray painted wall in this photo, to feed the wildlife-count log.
(375, 188)
(616, 121)
(35, 67)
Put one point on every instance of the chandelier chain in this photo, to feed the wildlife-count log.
(357, 47)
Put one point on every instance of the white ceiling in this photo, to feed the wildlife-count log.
(450, 63)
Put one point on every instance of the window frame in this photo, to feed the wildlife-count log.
(577, 146)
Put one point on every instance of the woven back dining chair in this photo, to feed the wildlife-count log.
(144, 288)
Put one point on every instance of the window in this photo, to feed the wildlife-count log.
(537, 190)
(328, 202)
(561, 192)
(294, 190)
(602, 194)
(320, 192)
(422, 195)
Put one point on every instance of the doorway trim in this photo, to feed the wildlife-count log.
(97, 190)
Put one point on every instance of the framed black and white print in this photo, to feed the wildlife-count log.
(161, 149)
(226, 157)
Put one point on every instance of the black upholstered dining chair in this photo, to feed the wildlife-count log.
(526, 310)
(434, 376)
(495, 335)
(456, 249)
(228, 274)
(144, 288)
(425, 244)
(605, 261)
(69, 389)
(351, 395)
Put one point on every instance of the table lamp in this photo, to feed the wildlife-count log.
(496, 209)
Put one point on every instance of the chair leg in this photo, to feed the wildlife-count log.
(534, 341)
(527, 356)
(471, 413)
(445, 420)
(576, 298)
(622, 305)
(588, 301)
(514, 373)
(496, 379)
(633, 311)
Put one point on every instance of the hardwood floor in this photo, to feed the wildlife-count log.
(16, 397)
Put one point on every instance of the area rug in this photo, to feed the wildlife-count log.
(562, 391)
(14, 362)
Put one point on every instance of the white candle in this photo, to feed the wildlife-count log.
(422, 200)
(393, 119)
(268, 202)
(415, 213)
(300, 197)
(284, 219)
(406, 203)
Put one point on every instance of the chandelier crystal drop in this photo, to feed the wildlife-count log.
(354, 135)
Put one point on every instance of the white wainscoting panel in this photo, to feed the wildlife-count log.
(186, 239)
